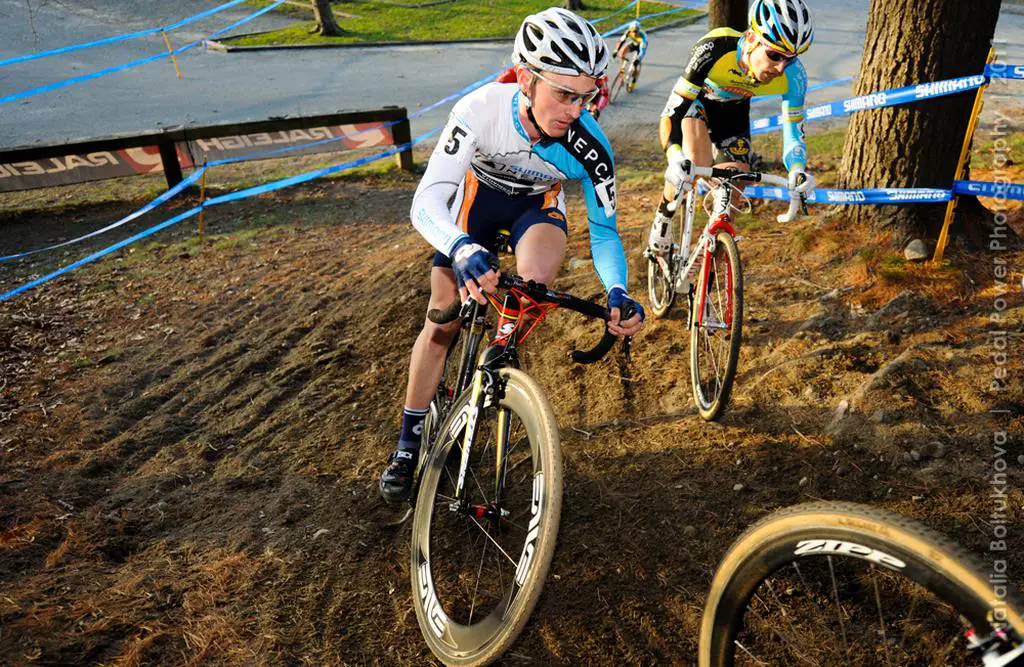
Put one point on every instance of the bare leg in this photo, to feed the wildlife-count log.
(427, 360)
(540, 252)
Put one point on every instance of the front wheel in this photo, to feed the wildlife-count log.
(616, 87)
(661, 289)
(830, 583)
(716, 330)
(479, 563)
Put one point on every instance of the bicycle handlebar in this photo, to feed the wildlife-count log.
(449, 314)
(797, 201)
(541, 292)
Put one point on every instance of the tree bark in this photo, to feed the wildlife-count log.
(728, 14)
(326, 25)
(915, 145)
(574, 5)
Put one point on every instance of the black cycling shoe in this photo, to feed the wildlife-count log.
(396, 480)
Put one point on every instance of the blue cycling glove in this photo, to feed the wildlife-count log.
(617, 298)
(470, 260)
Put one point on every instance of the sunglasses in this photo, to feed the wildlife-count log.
(777, 56)
(568, 96)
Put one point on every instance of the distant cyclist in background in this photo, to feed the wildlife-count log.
(707, 118)
(499, 164)
(601, 101)
(634, 40)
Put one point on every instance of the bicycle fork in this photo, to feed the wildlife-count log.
(486, 386)
(706, 276)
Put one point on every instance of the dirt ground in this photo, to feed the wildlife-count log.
(190, 434)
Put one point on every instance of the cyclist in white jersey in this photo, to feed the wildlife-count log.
(499, 164)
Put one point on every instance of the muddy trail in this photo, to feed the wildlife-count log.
(190, 435)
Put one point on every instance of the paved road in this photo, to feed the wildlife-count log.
(235, 87)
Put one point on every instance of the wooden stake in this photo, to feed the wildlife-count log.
(940, 246)
(174, 60)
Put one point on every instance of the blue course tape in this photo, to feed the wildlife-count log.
(202, 15)
(863, 196)
(688, 6)
(78, 47)
(96, 255)
(997, 190)
(1003, 71)
(885, 98)
(117, 38)
(234, 25)
(192, 178)
(248, 192)
(79, 79)
(135, 63)
(615, 13)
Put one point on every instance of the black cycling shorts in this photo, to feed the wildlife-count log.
(481, 212)
(729, 126)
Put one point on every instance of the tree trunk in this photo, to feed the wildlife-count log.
(326, 25)
(574, 5)
(915, 145)
(728, 14)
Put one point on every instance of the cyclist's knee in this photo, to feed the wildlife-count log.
(440, 335)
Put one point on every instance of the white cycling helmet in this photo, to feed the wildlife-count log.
(785, 24)
(556, 40)
(634, 25)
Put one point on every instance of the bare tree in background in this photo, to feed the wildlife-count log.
(917, 144)
(728, 14)
(326, 25)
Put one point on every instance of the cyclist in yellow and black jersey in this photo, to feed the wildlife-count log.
(708, 113)
(633, 39)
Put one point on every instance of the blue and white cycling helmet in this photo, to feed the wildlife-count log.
(786, 25)
(556, 40)
(634, 25)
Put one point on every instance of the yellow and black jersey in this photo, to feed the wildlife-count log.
(717, 71)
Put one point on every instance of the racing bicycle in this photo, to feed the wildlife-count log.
(629, 71)
(488, 491)
(715, 299)
(836, 583)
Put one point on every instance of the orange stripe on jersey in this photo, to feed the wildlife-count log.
(468, 195)
(551, 196)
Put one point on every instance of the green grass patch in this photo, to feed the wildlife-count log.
(112, 355)
(868, 255)
(893, 269)
(370, 21)
(81, 362)
(803, 239)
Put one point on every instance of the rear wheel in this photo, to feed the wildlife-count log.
(715, 335)
(478, 568)
(837, 583)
